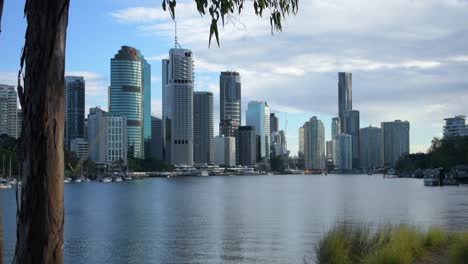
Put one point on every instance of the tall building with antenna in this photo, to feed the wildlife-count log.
(177, 94)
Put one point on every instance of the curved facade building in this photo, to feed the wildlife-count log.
(128, 94)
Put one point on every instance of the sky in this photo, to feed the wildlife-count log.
(409, 58)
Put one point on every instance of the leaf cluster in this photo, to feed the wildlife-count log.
(220, 9)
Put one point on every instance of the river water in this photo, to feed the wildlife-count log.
(245, 219)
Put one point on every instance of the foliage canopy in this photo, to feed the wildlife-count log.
(220, 9)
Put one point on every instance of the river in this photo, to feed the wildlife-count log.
(244, 219)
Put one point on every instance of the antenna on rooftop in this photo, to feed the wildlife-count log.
(176, 44)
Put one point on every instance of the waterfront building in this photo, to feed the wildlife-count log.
(395, 141)
(245, 146)
(230, 103)
(370, 147)
(345, 95)
(455, 126)
(8, 111)
(258, 116)
(350, 126)
(343, 154)
(107, 136)
(80, 147)
(225, 151)
(329, 147)
(203, 141)
(156, 138)
(177, 93)
(314, 144)
(128, 96)
(273, 123)
(74, 103)
(335, 127)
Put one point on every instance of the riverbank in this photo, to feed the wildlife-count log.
(352, 244)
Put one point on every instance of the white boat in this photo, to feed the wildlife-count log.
(118, 179)
(77, 180)
(87, 180)
(431, 177)
(106, 179)
(5, 185)
(127, 178)
(67, 180)
(203, 173)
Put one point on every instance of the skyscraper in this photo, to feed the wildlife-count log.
(335, 127)
(74, 108)
(258, 116)
(147, 126)
(230, 103)
(273, 123)
(301, 143)
(370, 150)
(177, 81)
(203, 141)
(245, 146)
(343, 155)
(156, 138)
(314, 144)
(8, 111)
(395, 141)
(350, 126)
(129, 87)
(345, 95)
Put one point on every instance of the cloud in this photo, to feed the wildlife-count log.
(156, 108)
(408, 58)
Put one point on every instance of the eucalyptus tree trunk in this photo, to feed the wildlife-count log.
(41, 217)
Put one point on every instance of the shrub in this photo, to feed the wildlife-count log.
(436, 239)
(458, 249)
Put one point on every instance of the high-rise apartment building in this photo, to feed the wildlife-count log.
(455, 126)
(343, 154)
(245, 146)
(203, 140)
(335, 127)
(107, 136)
(74, 102)
(345, 94)
(314, 144)
(230, 103)
(258, 116)
(80, 147)
(177, 93)
(8, 111)
(156, 138)
(395, 141)
(273, 123)
(225, 151)
(128, 96)
(301, 142)
(370, 147)
(350, 126)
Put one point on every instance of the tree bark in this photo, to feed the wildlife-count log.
(41, 217)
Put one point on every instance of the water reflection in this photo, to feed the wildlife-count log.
(269, 219)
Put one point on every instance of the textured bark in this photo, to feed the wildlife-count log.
(41, 218)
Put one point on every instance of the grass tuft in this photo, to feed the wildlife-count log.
(458, 250)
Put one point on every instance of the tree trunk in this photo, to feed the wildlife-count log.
(41, 218)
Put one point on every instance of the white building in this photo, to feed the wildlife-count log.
(107, 136)
(80, 147)
(343, 154)
(177, 82)
(8, 111)
(225, 151)
(314, 144)
(395, 141)
(258, 117)
(455, 126)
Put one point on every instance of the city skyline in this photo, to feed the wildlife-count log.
(374, 74)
